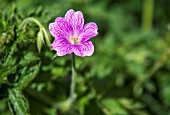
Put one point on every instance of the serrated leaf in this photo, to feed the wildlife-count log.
(27, 75)
(18, 103)
(5, 71)
(9, 59)
(27, 59)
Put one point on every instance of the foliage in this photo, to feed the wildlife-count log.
(128, 73)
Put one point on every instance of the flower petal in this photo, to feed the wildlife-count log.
(69, 15)
(85, 49)
(55, 31)
(76, 20)
(89, 31)
(62, 46)
(60, 28)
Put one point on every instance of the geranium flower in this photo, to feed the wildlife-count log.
(71, 35)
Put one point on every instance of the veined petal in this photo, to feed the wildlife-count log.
(89, 31)
(72, 36)
(69, 15)
(55, 31)
(60, 28)
(85, 49)
(62, 46)
(76, 20)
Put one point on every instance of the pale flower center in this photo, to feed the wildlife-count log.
(74, 39)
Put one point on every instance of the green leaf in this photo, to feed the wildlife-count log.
(85, 100)
(10, 60)
(111, 106)
(28, 58)
(18, 103)
(129, 103)
(27, 75)
(5, 71)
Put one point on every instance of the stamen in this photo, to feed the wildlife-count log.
(74, 39)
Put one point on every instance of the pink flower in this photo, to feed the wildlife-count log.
(71, 35)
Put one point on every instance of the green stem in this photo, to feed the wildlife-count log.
(73, 80)
(31, 19)
(42, 32)
(147, 15)
(65, 104)
(72, 97)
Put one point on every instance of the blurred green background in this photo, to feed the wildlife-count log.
(128, 74)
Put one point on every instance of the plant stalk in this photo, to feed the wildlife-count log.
(147, 18)
(72, 96)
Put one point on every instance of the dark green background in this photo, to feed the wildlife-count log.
(128, 74)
